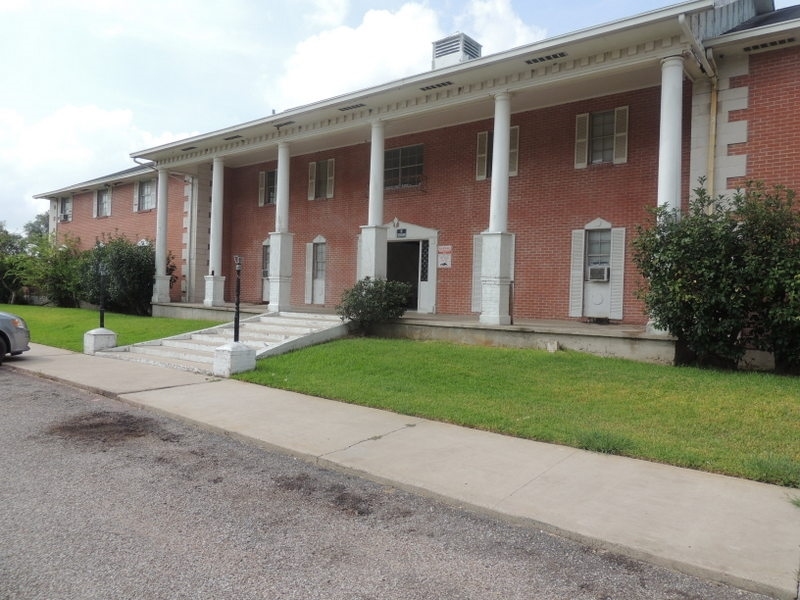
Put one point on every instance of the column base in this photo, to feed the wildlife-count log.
(215, 291)
(161, 289)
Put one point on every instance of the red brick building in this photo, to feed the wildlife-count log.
(403, 180)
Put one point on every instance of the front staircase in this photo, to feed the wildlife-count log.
(268, 334)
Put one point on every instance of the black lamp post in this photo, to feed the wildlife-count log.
(102, 271)
(237, 261)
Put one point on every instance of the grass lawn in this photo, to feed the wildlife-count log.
(64, 327)
(741, 424)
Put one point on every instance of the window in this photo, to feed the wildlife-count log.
(102, 203)
(483, 159)
(402, 167)
(145, 195)
(598, 254)
(320, 179)
(601, 137)
(267, 186)
(65, 209)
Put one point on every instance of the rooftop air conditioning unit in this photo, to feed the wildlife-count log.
(599, 273)
(455, 49)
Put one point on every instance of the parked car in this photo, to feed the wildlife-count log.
(14, 335)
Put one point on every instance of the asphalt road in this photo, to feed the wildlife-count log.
(102, 500)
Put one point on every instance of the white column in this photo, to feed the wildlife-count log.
(376, 154)
(372, 250)
(498, 211)
(215, 282)
(281, 241)
(670, 135)
(282, 189)
(161, 283)
(497, 244)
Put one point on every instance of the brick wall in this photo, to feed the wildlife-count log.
(548, 199)
(773, 121)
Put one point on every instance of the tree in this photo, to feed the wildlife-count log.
(11, 246)
(54, 269)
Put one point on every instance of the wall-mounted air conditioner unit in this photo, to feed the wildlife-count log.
(64, 217)
(599, 273)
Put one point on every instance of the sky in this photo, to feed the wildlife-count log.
(83, 83)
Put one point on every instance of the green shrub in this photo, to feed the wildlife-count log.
(123, 271)
(693, 265)
(372, 301)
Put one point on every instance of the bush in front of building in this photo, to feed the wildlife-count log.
(770, 231)
(722, 278)
(371, 301)
(122, 272)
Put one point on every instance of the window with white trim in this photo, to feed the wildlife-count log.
(601, 137)
(267, 186)
(483, 157)
(403, 167)
(145, 195)
(320, 179)
(102, 203)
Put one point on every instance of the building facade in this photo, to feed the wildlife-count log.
(405, 181)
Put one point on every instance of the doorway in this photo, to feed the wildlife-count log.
(403, 264)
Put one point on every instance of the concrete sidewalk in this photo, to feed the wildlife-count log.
(721, 528)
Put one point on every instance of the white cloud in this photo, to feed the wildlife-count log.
(496, 26)
(327, 13)
(70, 145)
(383, 47)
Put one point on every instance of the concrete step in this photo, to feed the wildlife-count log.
(268, 335)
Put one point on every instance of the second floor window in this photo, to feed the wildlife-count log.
(102, 205)
(146, 195)
(402, 167)
(601, 137)
(267, 187)
(320, 179)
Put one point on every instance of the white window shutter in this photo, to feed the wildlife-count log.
(94, 204)
(513, 152)
(617, 279)
(309, 275)
(329, 188)
(110, 202)
(136, 197)
(477, 261)
(312, 180)
(582, 141)
(482, 155)
(576, 273)
(262, 187)
(621, 135)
